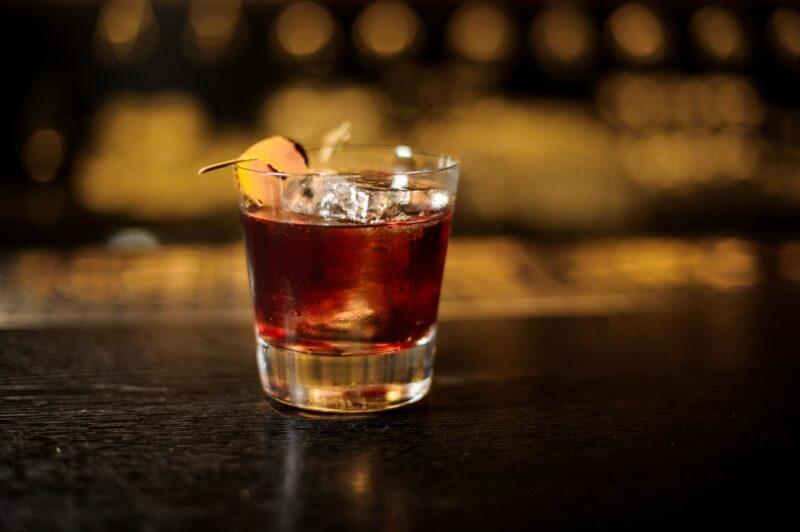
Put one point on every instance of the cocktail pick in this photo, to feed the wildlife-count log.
(330, 141)
(273, 154)
(223, 164)
(333, 139)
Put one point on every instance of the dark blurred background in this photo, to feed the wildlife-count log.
(571, 118)
(618, 341)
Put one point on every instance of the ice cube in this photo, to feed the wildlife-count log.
(367, 199)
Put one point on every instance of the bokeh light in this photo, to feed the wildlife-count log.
(131, 168)
(784, 26)
(126, 32)
(638, 34)
(562, 37)
(43, 154)
(480, 32)
(682, 130)
(387, 29)
(649, 263)
(324, 107)
(633, 101)
(673, 159)
(533, 165)
(211, 27)
(641, 101)
(304, 29)
(719, 35)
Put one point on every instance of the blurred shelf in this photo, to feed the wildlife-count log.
(486, 277)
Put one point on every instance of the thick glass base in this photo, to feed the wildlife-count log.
(346, 383)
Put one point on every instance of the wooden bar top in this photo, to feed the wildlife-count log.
(662, 400)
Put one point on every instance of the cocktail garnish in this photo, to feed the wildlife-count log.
(274, 154)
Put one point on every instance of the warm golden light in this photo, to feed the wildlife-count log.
(673, 159)
(123, 20)
(304, 29)
(325, 107)
(691, 96)
(638, 33)
(43, 154)
(719, 34)
(359, 478)
(550, 166)
(684, 130)
(123, 283)
(562, 35)
(737, 102)
(212, 25)
(480, 32)
(640, 101)
(386, 28)
(658, 263)
(785, 26)
(725, 264)
(126, 31)
(495, 277)
(143, 156)
(636, 102)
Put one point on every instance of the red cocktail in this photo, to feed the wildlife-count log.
(345, 289)
(346, 269)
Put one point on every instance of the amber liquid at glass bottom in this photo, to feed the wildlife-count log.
(348, 309)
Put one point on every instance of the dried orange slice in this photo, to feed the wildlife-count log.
(277, 154)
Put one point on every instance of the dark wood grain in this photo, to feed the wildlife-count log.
(648, 419)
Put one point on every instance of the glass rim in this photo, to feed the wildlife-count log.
(450, 162)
